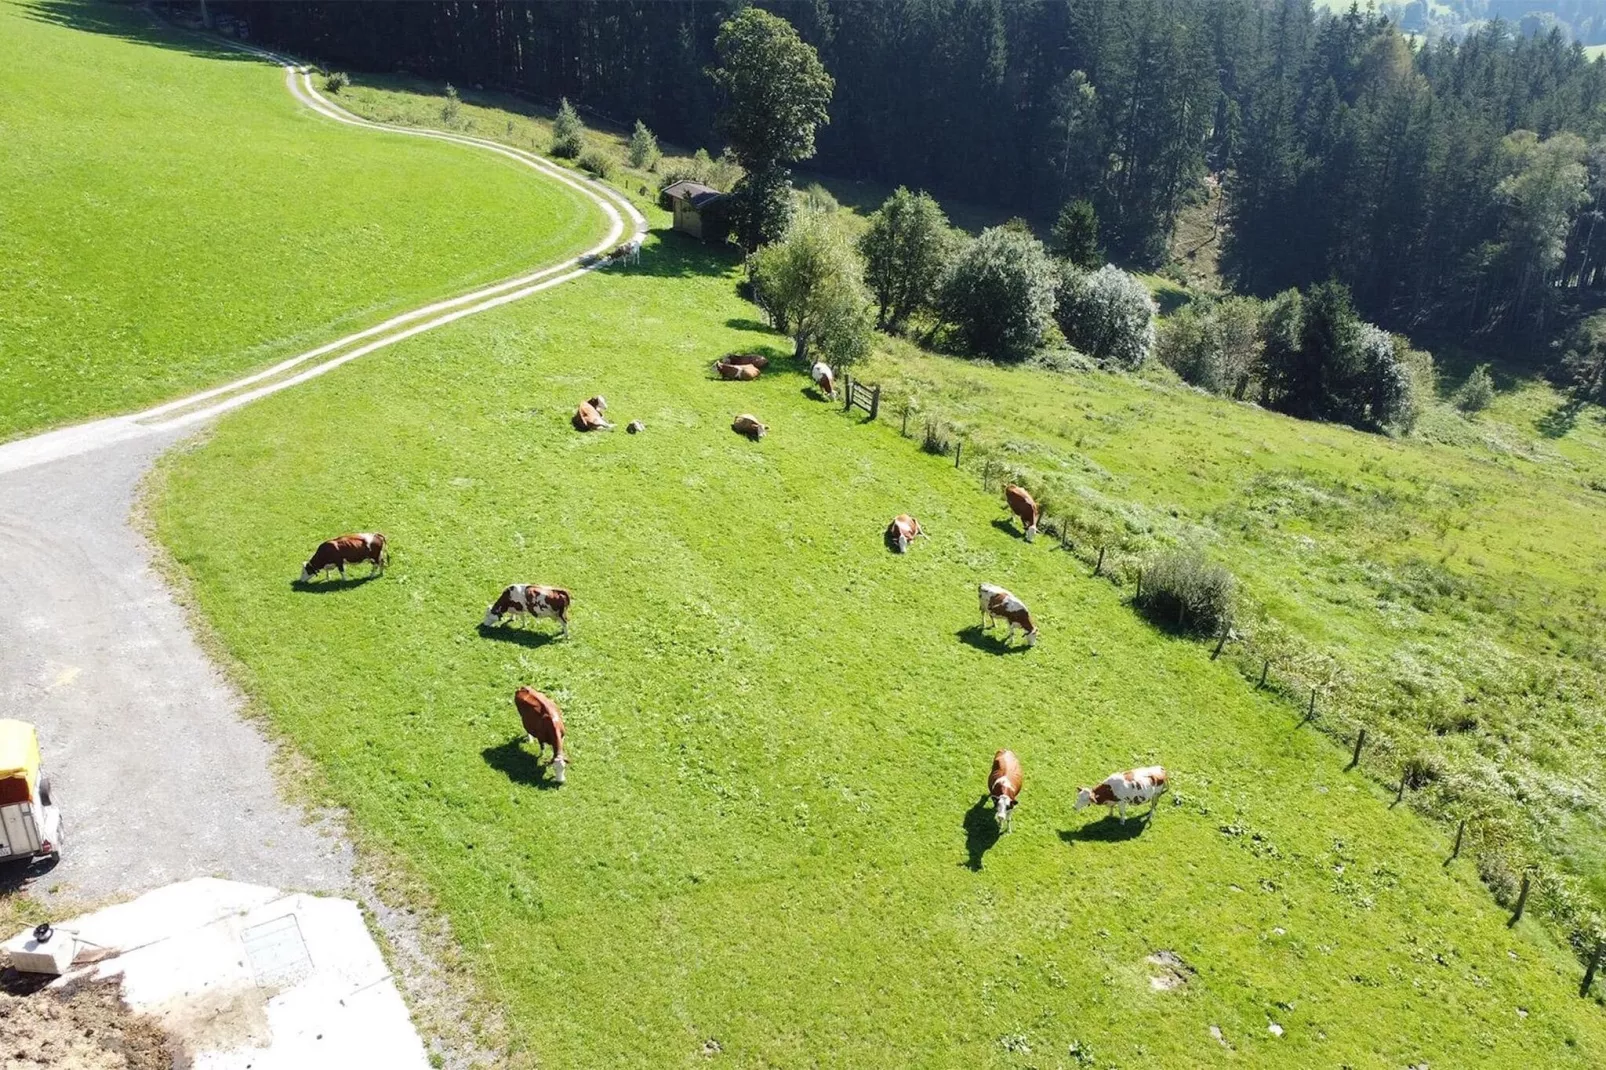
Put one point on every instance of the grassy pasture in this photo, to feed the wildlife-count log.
(170, 216)
(769, 845)
(1446, 592)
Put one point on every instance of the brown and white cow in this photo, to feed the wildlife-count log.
(739, 372)
(543, 725)
(1003, 787)
(1024, 506)
(997, 602)
(588, 417)
(345, 550)
(535, 601)
(757, 360)
(1133, 786)
(748, 425)
(821, 374)
(903, 530)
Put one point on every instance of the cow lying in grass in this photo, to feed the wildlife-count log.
(821, 374)
(1024, 506)
(757, 360)
(998, 603)
(1003, 787)
(748, 425)
(530, 600)
(543, 725)
(1136, 786)
(903, 530)
(588, 417)
(739, 372)
(345, 550)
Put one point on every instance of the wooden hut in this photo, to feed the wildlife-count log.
(699, 210)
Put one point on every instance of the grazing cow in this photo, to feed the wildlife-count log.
(346, 550)
(588, 417)
(757, 360)
(1003, 787)
(529, 599)
(635, 426)
(997, 602)
(749, 426)
(543, 724)
(1024, 506)
(630, 251)
(821, 374)
(1133, 786)
(740, 372)
(903, 530)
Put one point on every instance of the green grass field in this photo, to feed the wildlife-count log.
(769, 845)
(170, 216)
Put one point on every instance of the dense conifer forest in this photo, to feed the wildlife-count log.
(1458, 183)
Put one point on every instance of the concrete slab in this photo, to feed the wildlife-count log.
(246, 978)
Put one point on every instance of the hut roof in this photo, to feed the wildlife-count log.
(696, 193)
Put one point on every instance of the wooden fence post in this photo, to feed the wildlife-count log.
(847, 393)
(1522, 902)
(1310, 713)
(1400, 794)
(1589, 971)
(1264, 669)
(905, 431)
(875, 401)
(1461, 830)
(1360, 741)
(959, 447)
(1099, 568)
(1226, 626)
(1065, 534)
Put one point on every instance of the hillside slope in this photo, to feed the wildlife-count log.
(769, 845)
(171, 216)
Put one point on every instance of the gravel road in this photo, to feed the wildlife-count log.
(158, 776)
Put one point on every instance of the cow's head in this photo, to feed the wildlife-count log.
(1031, 532)
(559, 765)
(1003, 804)
(599, 403)
(490, 616)
(1084, 797)
(1031, 637)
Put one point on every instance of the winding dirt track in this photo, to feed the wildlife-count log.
(159, 776)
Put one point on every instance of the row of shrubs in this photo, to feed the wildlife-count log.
(1307, 354)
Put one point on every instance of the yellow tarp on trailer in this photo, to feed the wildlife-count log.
(19, 755)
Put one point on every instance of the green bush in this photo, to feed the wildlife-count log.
(1185, 590)
(335, 81)
(1477, 392)
(1107, 314)
(644, 154)
(599, 161)
(568, 132)
(452, 106)
(999, 294)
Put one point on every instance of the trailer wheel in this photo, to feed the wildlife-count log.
(44, 791)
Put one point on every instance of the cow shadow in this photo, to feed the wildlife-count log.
(741, 323)
(976, 636)
(814, 393)
(1008, 528)
(519, 765)
(331, 586)
(981, 832)
(507, 633)
(1107, 829)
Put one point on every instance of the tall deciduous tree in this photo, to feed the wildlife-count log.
(907, 248)
(568, 132)
(775, 93)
